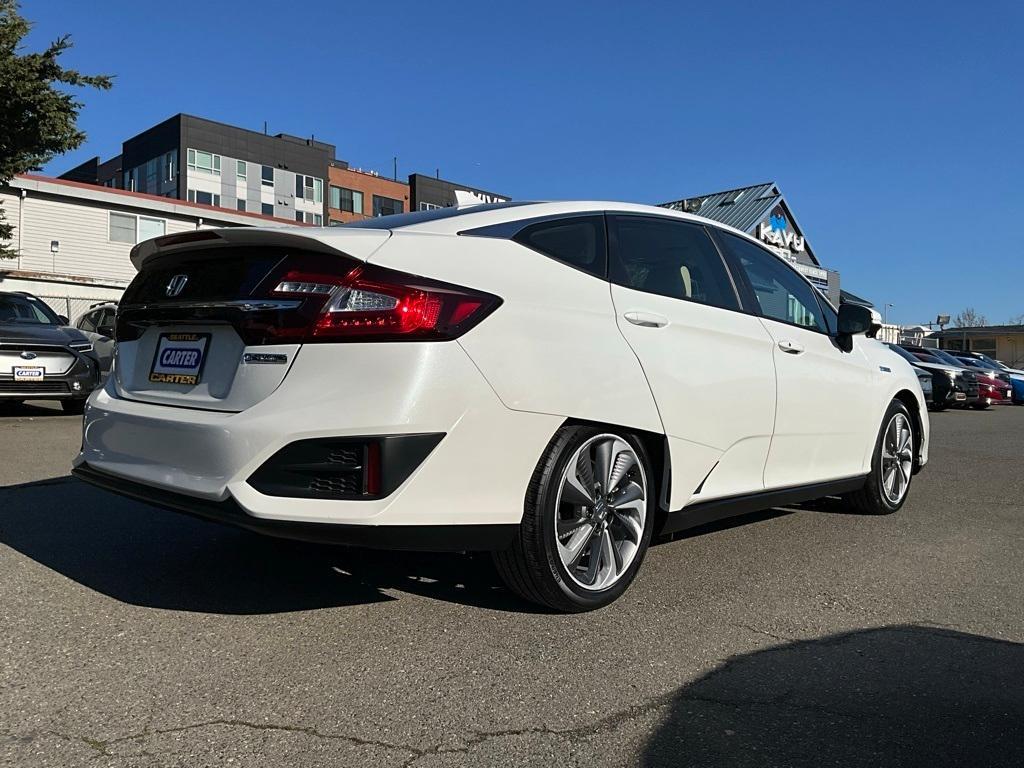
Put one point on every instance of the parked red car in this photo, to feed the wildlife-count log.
(991, 391)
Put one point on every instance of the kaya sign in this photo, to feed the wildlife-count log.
(776, 232)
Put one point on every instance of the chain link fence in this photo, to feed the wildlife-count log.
(72, 307)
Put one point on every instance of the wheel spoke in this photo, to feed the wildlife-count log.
(625, 460)
(575, 548)
(610, 557)
(566, 525)
(595, 561)
(603, 464)
(631, 524)
(629, 497)
(576, 489)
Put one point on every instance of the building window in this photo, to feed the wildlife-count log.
(428, 206)
(203, 198)
(150, 228)
(207, 162)
(122, 228)
(386, 206)
(126, 228)
(309, 188)
(267, 176)
(346, 199)
(268, 208)
(240, 169)
(170, 165)
(298, 216)
(318, 220)
(240, 204)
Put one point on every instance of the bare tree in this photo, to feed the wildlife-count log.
(969, 319)
(1016, 320)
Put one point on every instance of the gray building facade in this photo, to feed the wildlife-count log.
(203, 161)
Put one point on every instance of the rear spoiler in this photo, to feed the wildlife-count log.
(356, 243)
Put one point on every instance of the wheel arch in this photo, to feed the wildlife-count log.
(909, 399)
(657, 449)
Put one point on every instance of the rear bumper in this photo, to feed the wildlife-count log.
(476, 475)
(438, 538)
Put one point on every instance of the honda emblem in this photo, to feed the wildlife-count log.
(176, 285)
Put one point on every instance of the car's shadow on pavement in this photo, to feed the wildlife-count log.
(151, 557)
(894, 696)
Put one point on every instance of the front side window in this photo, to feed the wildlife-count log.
(670, 258)
(386, 206)
(578, 242)
(122, 228)
(781, 293)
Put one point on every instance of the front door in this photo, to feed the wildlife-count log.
(824, 413)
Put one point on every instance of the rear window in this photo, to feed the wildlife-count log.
(578, 242)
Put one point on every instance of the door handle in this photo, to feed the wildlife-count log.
(646, 319)
(791, 347)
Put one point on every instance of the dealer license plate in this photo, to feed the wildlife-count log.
(179, 358)
(29, 372)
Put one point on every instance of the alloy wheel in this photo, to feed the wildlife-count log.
(897, 458)
(600, 512)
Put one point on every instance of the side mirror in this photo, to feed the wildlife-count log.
(63, 320)
(105, 330)
(854, 319)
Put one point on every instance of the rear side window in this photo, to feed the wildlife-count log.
(781, 293)
(88, 322)
(578, 242)
(670, 258)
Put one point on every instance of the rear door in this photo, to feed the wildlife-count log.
(826, 413)
(708, 363)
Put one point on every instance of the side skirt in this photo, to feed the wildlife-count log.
(705, 512)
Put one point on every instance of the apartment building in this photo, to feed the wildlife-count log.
(202, 161)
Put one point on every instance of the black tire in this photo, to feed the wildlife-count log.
(75, 407)
(871, 499)
(532, 567)
(981, 406)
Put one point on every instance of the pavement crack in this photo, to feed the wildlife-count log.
(102, 746)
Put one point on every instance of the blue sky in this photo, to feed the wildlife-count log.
(894, 131)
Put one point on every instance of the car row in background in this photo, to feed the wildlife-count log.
(964, 379)
(41, 356)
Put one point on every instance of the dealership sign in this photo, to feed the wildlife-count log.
(776, 232)
(783, 238)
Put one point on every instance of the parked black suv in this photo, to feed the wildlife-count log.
(41, 356)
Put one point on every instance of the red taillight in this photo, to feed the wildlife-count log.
(371, 303)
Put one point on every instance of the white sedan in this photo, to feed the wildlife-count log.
(553, 382)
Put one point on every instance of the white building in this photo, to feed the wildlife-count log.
(73, 239)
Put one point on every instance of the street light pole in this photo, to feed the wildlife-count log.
(885, 313)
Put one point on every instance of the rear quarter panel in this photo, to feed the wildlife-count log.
(553, 347)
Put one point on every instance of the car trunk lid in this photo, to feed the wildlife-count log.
(201, 325)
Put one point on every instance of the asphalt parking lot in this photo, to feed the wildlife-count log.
(131, 636)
